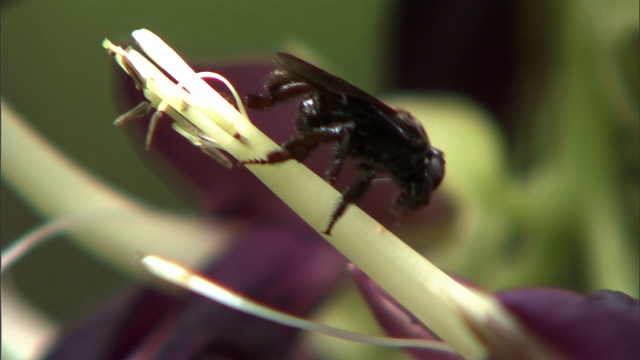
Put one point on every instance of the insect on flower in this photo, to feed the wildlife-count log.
(380, 138)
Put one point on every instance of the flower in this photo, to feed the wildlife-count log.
(534, 215)
(488, 325)
(197, 116)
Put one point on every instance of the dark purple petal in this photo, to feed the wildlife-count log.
(603, 325)
(287, 268)
(463, 46)
(395, 319)
(116, 328)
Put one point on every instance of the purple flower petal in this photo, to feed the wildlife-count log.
(282, 266)
(603, 325)
(116, 328)
(464, 46)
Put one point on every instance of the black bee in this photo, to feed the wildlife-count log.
(379, 137)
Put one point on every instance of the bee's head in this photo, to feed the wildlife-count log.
(435, 167)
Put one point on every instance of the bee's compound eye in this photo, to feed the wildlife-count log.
(435, 167)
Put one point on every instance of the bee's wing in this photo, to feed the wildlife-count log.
(368, 109)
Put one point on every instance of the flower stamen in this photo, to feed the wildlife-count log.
(187, 279)
(145, 76)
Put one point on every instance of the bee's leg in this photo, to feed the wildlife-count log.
(300, 146)
(138, 112)
(295, 148)
(340, 153)
(351, 194)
